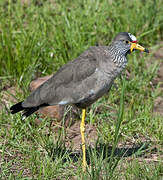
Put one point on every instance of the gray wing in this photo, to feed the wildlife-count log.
(68, 85)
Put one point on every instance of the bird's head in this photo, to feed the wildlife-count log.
(126, 43)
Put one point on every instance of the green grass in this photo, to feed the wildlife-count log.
(29, 34)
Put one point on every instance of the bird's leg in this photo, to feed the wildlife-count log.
(82, 130)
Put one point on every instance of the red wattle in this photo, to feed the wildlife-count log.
(134, 41)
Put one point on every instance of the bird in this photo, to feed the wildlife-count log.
(83, 80)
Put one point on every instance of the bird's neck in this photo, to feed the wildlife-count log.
(118, 57)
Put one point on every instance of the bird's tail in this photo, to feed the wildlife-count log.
(16, 108)
(26, 111)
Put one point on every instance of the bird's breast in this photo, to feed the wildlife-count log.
(94, 88)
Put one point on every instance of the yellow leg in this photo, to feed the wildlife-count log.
(82, 130)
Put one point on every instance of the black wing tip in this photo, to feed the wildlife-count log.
(16, 108)
(27, 111)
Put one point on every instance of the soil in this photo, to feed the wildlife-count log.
(158, 102)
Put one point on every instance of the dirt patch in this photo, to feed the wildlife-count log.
(73, 138)
(158, 103)
(8, 96)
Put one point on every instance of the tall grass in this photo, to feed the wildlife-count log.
(30, 33)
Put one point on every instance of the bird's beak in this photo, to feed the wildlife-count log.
(138, 47)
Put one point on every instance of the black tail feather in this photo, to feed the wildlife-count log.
(16, 108)
(27, 111)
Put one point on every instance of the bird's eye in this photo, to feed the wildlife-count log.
(126, 42)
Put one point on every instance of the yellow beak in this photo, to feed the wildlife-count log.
(138, 47)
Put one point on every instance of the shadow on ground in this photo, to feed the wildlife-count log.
(101, 150)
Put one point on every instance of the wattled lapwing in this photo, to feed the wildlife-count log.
(82, 81)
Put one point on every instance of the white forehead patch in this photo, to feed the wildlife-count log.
(133, 38)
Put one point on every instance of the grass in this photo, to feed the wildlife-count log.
(41, 36)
